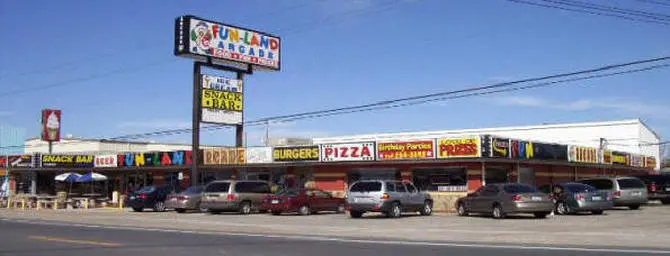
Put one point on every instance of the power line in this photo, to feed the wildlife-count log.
(409, 101)
(590, 12)
(607, 8)
(655, 2)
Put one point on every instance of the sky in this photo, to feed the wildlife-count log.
(109, 65)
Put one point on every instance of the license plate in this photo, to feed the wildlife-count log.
(536, 198)
(132, 197)
(636, 193)
(667, 189)
(275, 201)
(355, 200)
(596, 198)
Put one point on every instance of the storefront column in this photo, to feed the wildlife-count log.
(33, 182)
(483, 174)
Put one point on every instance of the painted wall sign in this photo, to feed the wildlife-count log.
(68, 161)
(198, 38)
(583, 154)
(105, 161)
(421, 149)
(21, 161)
(636, 160)
(225, 156)
(607, 157)
(222, 100)
(348, 152)
(458, 147)
(294, 154)
(259, 155)
(51, 123)
(620, 158)
(542, 151)
(500, 147)
(650, 162)
(154, 159)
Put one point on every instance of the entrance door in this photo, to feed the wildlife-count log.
(527, 176)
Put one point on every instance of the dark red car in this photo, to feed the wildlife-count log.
(303, 201)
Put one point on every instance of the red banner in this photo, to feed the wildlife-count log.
(424, 149)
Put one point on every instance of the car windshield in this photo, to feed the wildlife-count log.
(599, 184)
(631, 183)
(147, 189)
(519, 188)
(194, 190)
(579, 188)
(288, 192)
(366, 186)
(218, 187)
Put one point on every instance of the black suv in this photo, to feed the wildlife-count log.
(150, 197)
(658, 186)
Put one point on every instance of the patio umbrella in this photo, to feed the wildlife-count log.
(69, 177)
(90, 177)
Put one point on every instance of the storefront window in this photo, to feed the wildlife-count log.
(441, 179)
(373, 174)
(496, 175)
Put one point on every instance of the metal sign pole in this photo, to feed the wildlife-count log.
(239, 129)
(195, 141)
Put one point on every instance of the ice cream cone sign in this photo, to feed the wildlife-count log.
(51, 124)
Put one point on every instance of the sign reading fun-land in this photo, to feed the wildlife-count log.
(198, 38)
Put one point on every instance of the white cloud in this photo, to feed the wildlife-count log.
(155, 124)
(616, 104)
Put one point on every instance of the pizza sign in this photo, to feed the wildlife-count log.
(348, 152)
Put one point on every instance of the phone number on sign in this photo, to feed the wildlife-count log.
(405, 155)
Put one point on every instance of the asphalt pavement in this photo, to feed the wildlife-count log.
(42, 238)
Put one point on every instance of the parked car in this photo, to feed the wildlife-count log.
(572, 197)
(658, 187)
(150, 197)
(626, 191)
(230, 195)
(303, 201)
(506, 198)
(387, 196)
(189, 199)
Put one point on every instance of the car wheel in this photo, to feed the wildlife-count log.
(498, 212)
(665, 201)
(461, 210)
(276, 213)
(427, 208)
(304, 210)
(634, 207)
(340, 208)
(138, 209)
(541, 215)
(180, 210)
(159, 206)
(355, 214)
(395, 211)
(245, 208)
(597, 212)
(562, 208)
(202, 209)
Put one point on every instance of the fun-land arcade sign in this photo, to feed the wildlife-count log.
(223, 47)
(199, 39)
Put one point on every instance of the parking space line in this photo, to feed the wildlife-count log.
(72, 241)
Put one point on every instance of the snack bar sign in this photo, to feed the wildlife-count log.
(421, 149)
(348, 152)
(198, 38)
(222, 100)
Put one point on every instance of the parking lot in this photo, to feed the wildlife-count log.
(621, 227)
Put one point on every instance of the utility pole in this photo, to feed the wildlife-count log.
(267, 132)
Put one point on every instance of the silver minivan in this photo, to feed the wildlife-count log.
(387, 196)
(244, 196)
(625, 191)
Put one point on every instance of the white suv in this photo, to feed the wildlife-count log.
(387, 196)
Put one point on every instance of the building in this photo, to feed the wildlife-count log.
(447, 164)
(11, 139)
